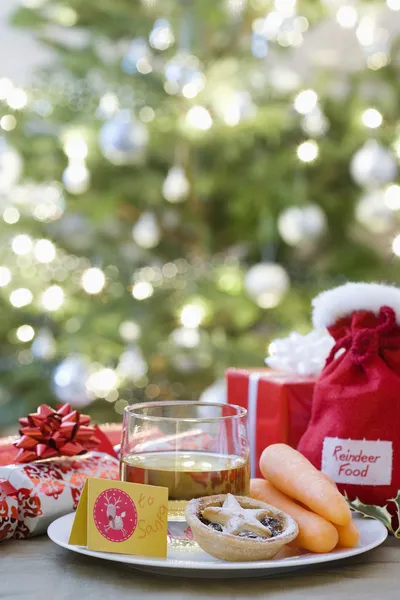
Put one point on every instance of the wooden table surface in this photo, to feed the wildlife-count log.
(37, 569)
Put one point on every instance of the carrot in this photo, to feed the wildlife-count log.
(315, 533)
(295, 476)
(348, 535)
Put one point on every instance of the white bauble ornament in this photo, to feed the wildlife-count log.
(183, 71)
(69, 381)
(216, 392)
(302, 224)
(373, 213)
(373, 165)
(10, 166)
(146, 232)
(123, 139)
(76, 178)
(266, 283)
(44, 345)
(132, 366)
(176, 185)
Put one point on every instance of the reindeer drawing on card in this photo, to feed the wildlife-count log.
(115, 521)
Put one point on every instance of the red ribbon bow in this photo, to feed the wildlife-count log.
(365, 343)
(49, 433)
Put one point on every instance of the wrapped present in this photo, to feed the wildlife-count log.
(55, 454)
(278, 402)
(32, 495)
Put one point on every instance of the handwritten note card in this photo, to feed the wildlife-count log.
(128, 518)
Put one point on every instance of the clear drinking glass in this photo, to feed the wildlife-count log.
(192, 448)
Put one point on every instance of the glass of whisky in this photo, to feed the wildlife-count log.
(193, 448)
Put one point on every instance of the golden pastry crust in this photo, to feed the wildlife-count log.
(235, 517)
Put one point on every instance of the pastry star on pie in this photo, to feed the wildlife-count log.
(235, 519)
(239, 528)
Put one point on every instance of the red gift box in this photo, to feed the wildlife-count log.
(278, 407)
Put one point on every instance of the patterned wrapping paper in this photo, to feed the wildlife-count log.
(33, 495)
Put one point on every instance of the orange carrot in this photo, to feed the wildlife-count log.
(295, 476)
(315, 533)
(348, 535)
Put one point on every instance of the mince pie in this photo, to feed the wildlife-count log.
(239, 528)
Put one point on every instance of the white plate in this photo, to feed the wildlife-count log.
(195, 564)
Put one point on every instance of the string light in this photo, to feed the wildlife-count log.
(8, 122)
(396, 245)
(75, 146)
(25, 333)
(21, 244)
(21, 297)
(17, 98)
(108, 105)
(305, 101)
(129, 331)
(392, 197)
(142, 290)
(53, 298)
(102, 382)
(372, 118)
(76, 177)
(347, 16)
(192, 315)
(146, 114)
(93, 280)
(11, 215)
(45, 251)
(198, 117)
(307, 151)
(5, 276)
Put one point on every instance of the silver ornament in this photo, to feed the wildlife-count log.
(132, 366)
(216, 392)
(373, 165)
(123, 139)
(44, 345)
(301, 225)
(69, 381)
(373, 213)
(266, 283)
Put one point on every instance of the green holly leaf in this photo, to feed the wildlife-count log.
(371, 511)
(397, 504)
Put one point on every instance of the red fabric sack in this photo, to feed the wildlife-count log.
(354, 432)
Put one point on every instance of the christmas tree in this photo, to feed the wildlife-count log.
(176, 188)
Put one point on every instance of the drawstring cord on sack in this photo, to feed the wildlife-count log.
(365, 343)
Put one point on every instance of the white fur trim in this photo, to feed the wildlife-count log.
(345, 299)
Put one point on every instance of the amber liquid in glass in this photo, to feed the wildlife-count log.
(188, 475)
